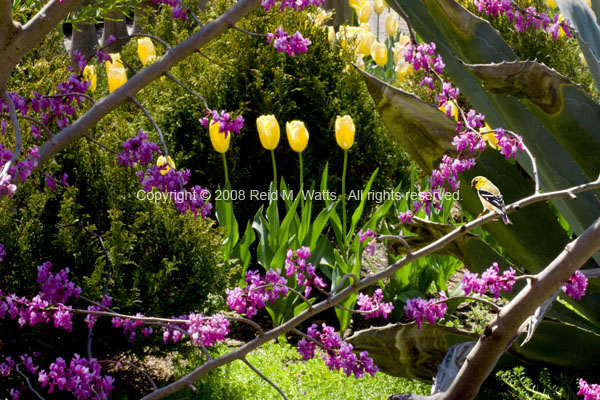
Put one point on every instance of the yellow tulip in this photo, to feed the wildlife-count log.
(297, 135)
(403, 39)
(331, 34)
(403, 70)
(218, 139)
(365, 39)
(551, 3)
(379, 53)
(89, 74)
(162, 161)
(397, 51)
(365, 27)
(489, 137)
(146, 52)
(378, 7)
(115, 63)
(116, 78)
(268, 131)
(365, 13)
(589, 2)
(347, 34)
(391, 24)
(583, 60)
(453, 110)
(355, 3)
(344, 131)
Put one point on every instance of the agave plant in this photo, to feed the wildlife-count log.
(558, 122)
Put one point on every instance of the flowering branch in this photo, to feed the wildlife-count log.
(34, 120)
(479, 299)
(38, 395)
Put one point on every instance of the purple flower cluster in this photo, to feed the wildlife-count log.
(56, 288)
(204, 331)
(405, 217)
(2, 252)
(508, 144)
(490, 281)
(129, 326)
(295, 263)
(430, 310)
(338, 354)
(81, 377)
(292, 45)
(35, 311)
(295, 4)
(139, 149)
(176, 9)
(575, 287)
(589, 392)
(424, 57)
(372, 307)
(226, 122)
(257, 292)
(364, 236)
(51, 181)
(524, 19)
(90, 318)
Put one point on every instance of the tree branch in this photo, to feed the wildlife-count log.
(253, 368)
(18, 137)
(140, 80)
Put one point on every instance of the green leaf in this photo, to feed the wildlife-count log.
(319, 224)
(242, 250)
(264, 253)
(361, 206)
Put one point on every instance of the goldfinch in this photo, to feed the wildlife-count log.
(490, 197)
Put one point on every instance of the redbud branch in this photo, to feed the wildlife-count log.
(187, 88)
(18, 139)
(399, 238)
(35, 120)
(479, 299)
(260, 330)
(162, 139)
(237, 28)
(121, 38)
(39, 396)
(405, 18)
(290, 289)
(315, 341)
(187, 10)
(105, 147)
(533, 162)
(357, 311)
(207, 57)
(342, 281)
(264, 377)
(90, 98)
(591, 273)
(135, 367)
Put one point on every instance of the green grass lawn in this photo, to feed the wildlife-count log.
(282, 364)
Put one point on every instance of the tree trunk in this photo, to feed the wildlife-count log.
(115, 25)
(83, 39)
(343, 12)
(142, 15)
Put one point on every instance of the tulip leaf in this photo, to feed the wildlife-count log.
(588, 33)
(264, 253)
(284, 228)
(562, 107)
(336, 223)
(319, 224)
(242, 250)
(361, 206)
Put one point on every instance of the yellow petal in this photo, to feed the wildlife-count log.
(344, 131)
(162, 161)
(89, 74)
(146, 50)
(379, 53)
(365, 13)
(378, 7)
(116, 78)
(268, 131)
(391, 24)
(218, 139)
(297, 135)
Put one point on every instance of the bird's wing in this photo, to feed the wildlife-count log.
(494, 199)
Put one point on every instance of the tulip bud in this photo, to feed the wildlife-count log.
(89, 74)
(218, 139)
(116, 78)
(331, 34)
(489, 137)
(146, 51)
(268, 131)
(379, 53)
(297, 135)
(450, 109)
(378, 7)
(162, 161)
(391, 24)
(403, 69)
(115, 63)
(365, 13)
(344, 131)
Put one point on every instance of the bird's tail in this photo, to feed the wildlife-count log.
(505, 219)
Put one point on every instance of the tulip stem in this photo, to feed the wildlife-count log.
(301, 183)
(274, 171)
(225, 169)
(344, 195)
(378, 27)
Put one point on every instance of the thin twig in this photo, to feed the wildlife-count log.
(203, 54)
(75, 94)
(304, 299)
(187, 10)
(342, 281)
(177, 81)
(399, 238)
(237, 28)
(315, 341)
(481, 300)
(105, 147)
(264, 377)
(401, 12)
(135, 367)
(39, 396)
(247, 321)
(18, 137)
(35, 120)
(162, 139)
